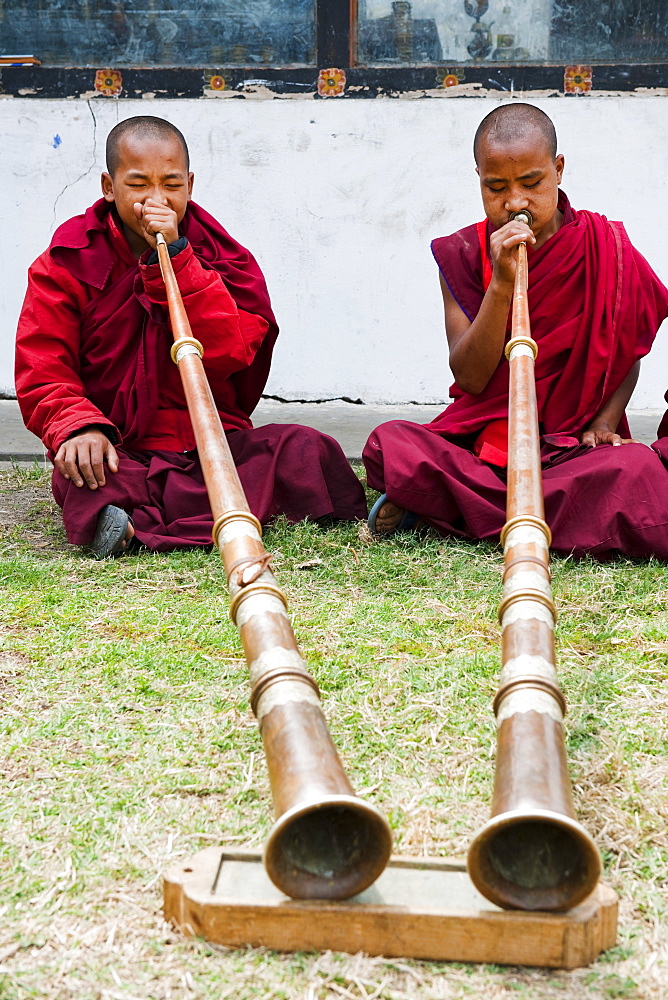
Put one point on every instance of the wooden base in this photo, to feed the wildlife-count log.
(419, 908)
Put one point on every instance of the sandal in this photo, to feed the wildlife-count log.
(112, 526)
(409, 521)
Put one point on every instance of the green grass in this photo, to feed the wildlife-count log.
(127, 743)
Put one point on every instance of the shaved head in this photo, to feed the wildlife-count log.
(141, 127)
(509, 123)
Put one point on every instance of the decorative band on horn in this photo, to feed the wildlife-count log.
(255, 588)
(533, 681)
(263, 604)
(527, 559)
(528, 520)
(275, 677)
(528, 594)
(524, 341)
(178, 348)
(234, 515)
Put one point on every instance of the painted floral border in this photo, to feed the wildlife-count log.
(108, 82)
(358, 82)
(331, 82)
(578, 79)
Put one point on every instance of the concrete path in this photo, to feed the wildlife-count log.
(349, 423)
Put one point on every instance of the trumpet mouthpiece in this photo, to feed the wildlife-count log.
(523, 216)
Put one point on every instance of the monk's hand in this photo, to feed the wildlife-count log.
(502, 250)
(81, 458)
(603, 435)
(156, 218)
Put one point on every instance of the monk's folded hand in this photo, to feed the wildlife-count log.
(81, 458)
(156, 218)
(502, 246)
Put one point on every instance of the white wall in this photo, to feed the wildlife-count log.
(339, 200)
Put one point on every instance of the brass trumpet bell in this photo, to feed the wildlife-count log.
(332, 849)
(534, 859)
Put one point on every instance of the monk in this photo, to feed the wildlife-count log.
(595, 307)
(95, 381)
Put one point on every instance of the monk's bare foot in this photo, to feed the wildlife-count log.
(130, 533)
(388, 518)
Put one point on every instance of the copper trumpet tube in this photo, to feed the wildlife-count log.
(533, 854)
(326, 842)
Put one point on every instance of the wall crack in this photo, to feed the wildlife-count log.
(85, 173)
(354, 402)
(330, 399)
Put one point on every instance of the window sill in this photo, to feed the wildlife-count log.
(356, 82)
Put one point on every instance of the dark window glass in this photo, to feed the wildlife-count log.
(610, 31)
(457, 31)
(160, 32)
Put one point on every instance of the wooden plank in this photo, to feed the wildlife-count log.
(419, 908)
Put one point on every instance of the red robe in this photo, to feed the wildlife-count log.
(595, 306)
(93, 349)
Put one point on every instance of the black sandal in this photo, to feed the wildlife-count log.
(112, 527)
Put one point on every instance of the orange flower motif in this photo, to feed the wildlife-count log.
(215, 82)
(577, 79)
(331, 82)
(449, 77)
(108, 82)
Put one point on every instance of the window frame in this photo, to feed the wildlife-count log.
(336, 42)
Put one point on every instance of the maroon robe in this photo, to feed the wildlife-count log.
(595, 307)
(93, 350)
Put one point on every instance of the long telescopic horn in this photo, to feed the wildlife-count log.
(533, 854)
(326, 842)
